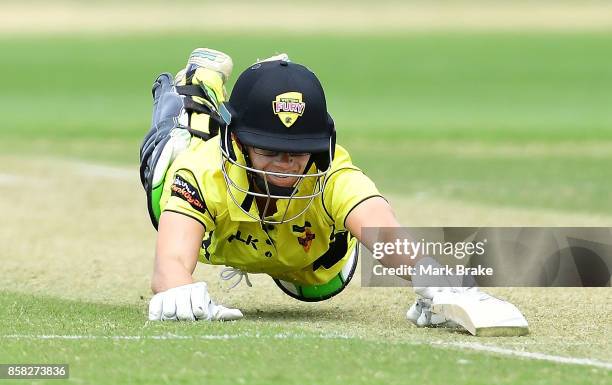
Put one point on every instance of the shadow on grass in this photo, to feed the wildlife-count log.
(313, 314)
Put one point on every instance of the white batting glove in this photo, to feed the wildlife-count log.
(189, 303)
(420, 312)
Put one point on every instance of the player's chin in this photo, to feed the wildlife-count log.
(282, 181)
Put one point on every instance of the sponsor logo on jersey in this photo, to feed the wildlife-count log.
(307, 237)
(306, 240)
(288, 107)
(249, 240)
(184, 190)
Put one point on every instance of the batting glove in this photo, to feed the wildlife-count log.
(189, 303)
(420, 312)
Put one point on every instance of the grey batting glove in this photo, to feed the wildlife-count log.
(189, 303)
(420, 312)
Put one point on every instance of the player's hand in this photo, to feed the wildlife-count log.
(420, 312)
(468, 307)
(189, 303)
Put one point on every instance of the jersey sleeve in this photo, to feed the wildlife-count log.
(345, 188)
(185, 196)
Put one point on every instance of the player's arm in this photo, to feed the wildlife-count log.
(353, 202)
(177, 297)
(178, 244)
(372, 212)
(376, 212)
(183, 222)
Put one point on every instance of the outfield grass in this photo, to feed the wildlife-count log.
(117, 346)
(502, 123)
(428, 86)
(89, 97)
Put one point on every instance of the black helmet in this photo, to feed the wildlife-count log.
(280, 106)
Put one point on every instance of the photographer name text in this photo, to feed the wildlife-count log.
(433, 271)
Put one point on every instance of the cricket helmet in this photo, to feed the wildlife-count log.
(278, 106)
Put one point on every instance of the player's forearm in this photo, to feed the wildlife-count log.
(176, 254)
(169, 273)
(376, 213)
(394, 258)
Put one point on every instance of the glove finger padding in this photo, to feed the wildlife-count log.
(200, 301)
(168, 306)
(414, 312)
(222, 313)
(421, 315)
(155, 307)
(424, 319)
(183, 305)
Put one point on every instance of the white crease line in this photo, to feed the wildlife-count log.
(529, 355)
(173, 337)
(438, 344)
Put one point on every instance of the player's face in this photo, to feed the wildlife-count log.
(275, 161)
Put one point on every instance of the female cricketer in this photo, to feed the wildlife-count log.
(256, 183)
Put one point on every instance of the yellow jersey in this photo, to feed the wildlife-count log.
(195, 186)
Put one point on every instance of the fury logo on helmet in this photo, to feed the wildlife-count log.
(288, 106)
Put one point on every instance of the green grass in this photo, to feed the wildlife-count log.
(494, 87)
(89, 97)
(501, 119)
(571, 182)
(256, 352)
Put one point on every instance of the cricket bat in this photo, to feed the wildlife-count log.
(481, 314)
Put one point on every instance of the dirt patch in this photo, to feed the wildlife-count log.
(71, 226)
(80, 231)
(343, 17)
(75, 230)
